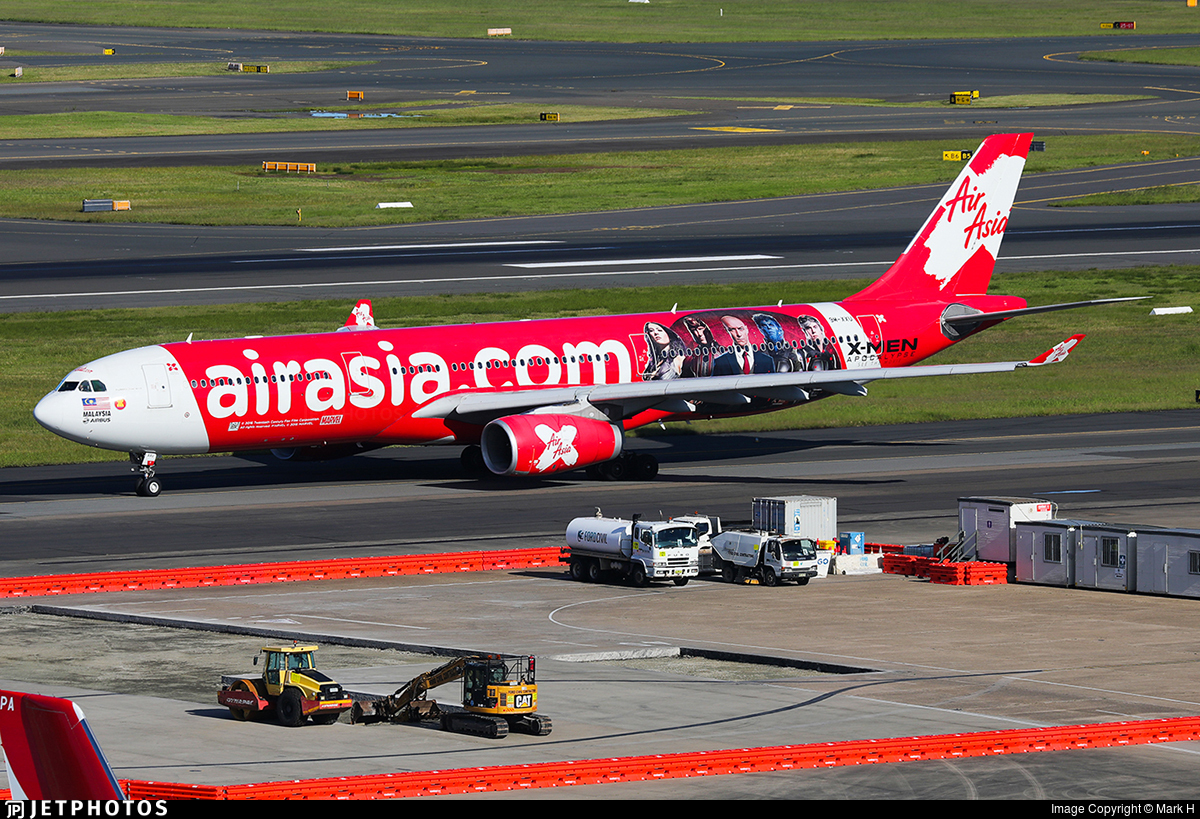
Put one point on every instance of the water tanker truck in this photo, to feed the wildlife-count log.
(599, 548)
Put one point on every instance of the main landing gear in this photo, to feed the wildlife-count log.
(147, 486)
(631, 466)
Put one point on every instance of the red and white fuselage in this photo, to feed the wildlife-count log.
(555, 394)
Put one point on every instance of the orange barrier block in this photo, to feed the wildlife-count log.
(287, 572)
(702, 763)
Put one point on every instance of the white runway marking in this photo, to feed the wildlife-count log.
(679, 260)
(448, 245)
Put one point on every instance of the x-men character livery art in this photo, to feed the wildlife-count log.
(539, 397)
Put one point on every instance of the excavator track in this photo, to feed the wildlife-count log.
(476, 725)
(537, 725)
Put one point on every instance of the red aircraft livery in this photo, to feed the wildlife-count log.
(538, 397)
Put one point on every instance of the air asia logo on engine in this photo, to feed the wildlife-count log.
(970, 201)
(560, 446)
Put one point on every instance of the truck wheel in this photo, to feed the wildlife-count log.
(803, 581)
(769, 578)
(289, 709)
(579, 571)
(594, 573)
(638, 576)
(681, 581)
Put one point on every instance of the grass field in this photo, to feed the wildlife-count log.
(656, 21)
(1159, 195)
(438, 113)
(346, 194)
(1153, 56)
(1119, 367)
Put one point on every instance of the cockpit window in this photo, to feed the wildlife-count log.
(67, 386)
(98, 386)
(85, 386)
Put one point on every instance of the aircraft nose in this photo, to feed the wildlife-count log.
(50, 412)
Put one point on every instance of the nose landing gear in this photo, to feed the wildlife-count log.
(147, 486)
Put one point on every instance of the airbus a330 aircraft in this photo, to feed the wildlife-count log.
(538, 397)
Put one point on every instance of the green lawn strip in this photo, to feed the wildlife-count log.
(345, 195)
(1189, 55)
(142, 71)
(1159, 195)
(122, 124)
(983, 101)
(1130, 361)
(656, 21)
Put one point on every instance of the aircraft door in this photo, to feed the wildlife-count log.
(158, 388)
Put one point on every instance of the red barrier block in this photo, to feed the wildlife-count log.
(287, 572)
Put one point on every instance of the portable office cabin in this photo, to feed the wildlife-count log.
(1168, 561)
(988, 524)
(1080, 553)
(1045, 551)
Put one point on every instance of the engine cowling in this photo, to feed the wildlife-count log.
(542, 444)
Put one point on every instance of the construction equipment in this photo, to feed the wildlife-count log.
(291, 687)
(499, 694)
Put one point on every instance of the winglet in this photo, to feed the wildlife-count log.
(361, 317)
(1056, 353)
(49, 750)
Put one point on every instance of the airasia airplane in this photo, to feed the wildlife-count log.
(539, 397)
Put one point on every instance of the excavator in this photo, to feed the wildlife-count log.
(499, 695)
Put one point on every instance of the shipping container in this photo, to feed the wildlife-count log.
(808, 516)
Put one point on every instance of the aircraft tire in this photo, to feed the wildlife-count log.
(472, 460)
(616, 470)
(151, 487)
(645, 467)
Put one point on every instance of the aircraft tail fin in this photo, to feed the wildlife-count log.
(955, 251)
(361, 317)
(49, 751)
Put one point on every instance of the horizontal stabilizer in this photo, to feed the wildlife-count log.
(1000, 315)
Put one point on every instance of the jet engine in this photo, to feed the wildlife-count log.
(539, 444)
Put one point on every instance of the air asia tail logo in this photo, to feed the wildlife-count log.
(968, 200)
(560, 446)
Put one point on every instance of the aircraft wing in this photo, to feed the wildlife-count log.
(730, 391)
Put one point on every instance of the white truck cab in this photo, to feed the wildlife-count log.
(764, 557)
